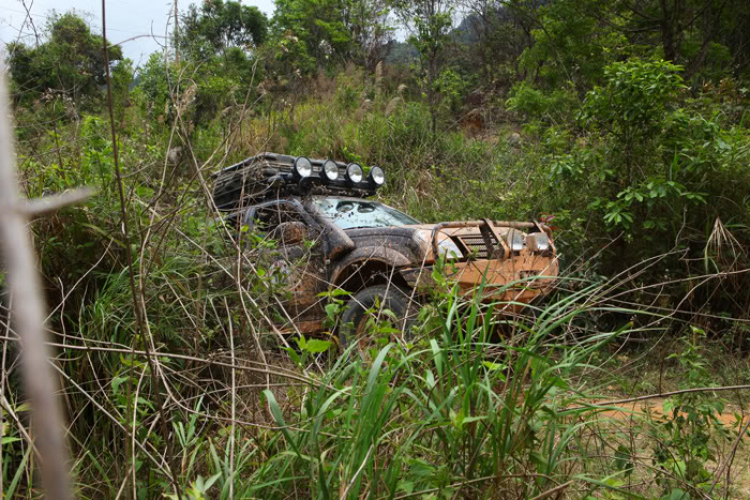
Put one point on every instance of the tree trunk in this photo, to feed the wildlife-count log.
(667, 26)
(431, 70)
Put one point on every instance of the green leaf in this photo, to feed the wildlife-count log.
(676, 494)
(9, 492)
(405, 486)
(293, 355)
(211, 481)
(336, 292)
(316, 345)
(332, 310)
(494, 366)
(23, 407)
(117, 381)
(668, 406)
(278, 416)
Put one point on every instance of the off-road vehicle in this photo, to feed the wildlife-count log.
(380, 256)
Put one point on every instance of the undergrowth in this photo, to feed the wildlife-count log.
(473, 405)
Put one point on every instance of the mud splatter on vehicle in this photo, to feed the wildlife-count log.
(379, 255)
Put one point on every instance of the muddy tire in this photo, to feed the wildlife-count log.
(388, 297)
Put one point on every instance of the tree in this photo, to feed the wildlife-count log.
(684, 29)
(639, 158)
(370, 30)
(330, 31)
(496, 33)
(219, 42)
(70, 62)
(575, 39)
(217, 26)
(430, 23)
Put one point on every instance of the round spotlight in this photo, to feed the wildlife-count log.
(354, 173)
(302, 167)
(377, 176)
(330, 170)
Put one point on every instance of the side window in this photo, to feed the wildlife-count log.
(268, 218)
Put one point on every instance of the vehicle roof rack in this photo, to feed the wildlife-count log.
(271, 175)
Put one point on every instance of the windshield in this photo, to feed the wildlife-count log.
(347, 213)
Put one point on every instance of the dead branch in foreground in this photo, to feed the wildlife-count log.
(28, 314)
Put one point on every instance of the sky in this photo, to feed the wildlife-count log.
(126, 19)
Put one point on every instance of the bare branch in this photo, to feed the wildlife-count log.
(51, 204)
(28, 315)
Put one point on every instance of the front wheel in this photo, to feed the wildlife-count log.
(370, 302)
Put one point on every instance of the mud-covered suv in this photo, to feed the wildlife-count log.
(330, 236)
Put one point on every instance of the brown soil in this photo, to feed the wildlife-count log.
(656, 407)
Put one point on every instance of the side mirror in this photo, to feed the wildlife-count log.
(289, 233)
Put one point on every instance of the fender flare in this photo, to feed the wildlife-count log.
(361, 256)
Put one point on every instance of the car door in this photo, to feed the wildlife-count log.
(297, 259)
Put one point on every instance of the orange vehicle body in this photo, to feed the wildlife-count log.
(330, 236)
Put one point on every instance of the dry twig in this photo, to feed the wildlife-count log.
(28, 314)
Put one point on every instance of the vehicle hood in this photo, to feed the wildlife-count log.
(416, 240)
(514, 275)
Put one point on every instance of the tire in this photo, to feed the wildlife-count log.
(388, 297)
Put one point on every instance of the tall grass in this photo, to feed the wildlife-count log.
(461, 411)
(474, 404)
(471, 406)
